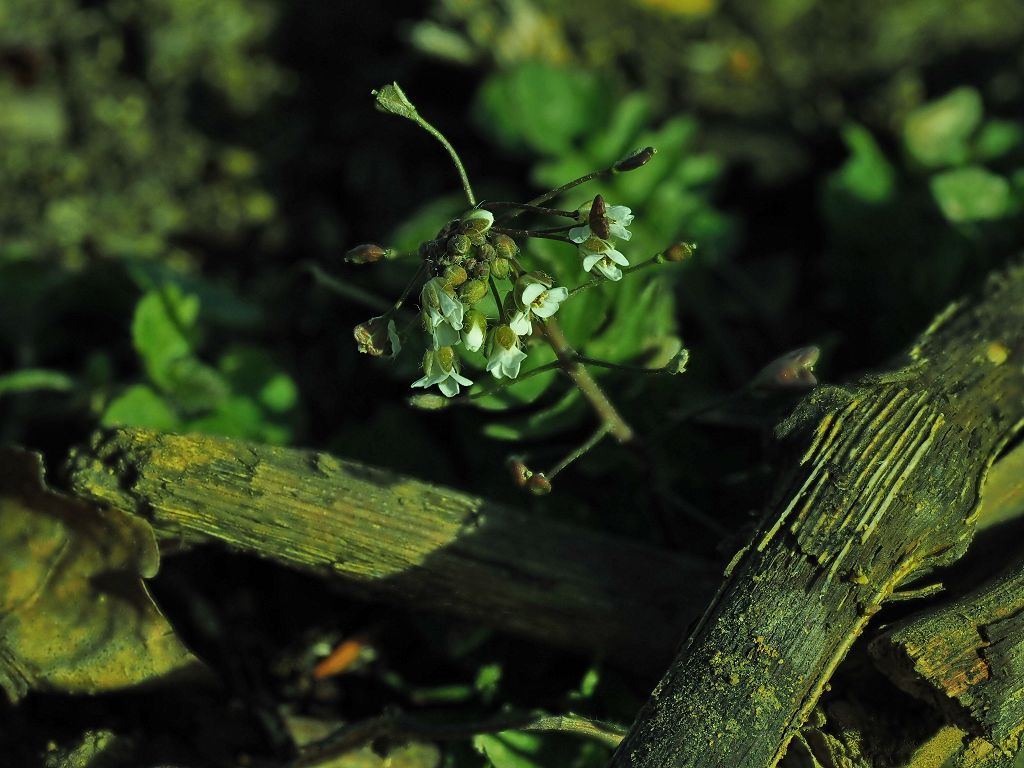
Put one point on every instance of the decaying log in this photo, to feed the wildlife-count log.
(385, 536)
(886, 490)
(967, 658)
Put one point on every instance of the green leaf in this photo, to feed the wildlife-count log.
(35, 379)
(195, 386)
(252, 371)
(510, 749)
(937, 133)
(971, 194)
(140, 406)
(998, 138)
(163, 330)
(866, 175)
(541, 107)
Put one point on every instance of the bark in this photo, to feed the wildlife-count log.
(384, 536)
(886, 490)
(967, 659)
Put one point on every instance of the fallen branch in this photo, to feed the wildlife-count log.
(885, 490)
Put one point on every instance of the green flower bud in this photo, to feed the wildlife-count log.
(678, 362)
(501, 267)
(481, 270)
(367, 253)
(472, 291)
(444, 358)
(505, 246)
(391, 98)
(639, 158)
(679, 252)
(476, 222)
(454, 276)
(504, 336)
(429, 402)
(459, 245)
(486, 252)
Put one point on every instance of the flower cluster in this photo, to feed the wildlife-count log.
(470, 258)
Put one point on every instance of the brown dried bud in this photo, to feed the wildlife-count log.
(377, 337)
(367, 253)
(597, 220)
(679, 252)
(538, 485)
(639, 158)
(519, 471)
(794, 370)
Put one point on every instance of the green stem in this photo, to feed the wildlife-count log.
(351, 292)
(463, 177)
(616, 366)
(533, 209)
(497, 300)
(531, 233)
(591, 441)
(590, 389)
(653, 261)
(509, 382)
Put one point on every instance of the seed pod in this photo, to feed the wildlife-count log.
(679, 252)
(639, 158)
(597, 219)
(538, 485)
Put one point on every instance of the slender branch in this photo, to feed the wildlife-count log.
(463, 177)
(532, 208)
(576, 453)
(596, 281)
(505, 383)
(351, 292)
(589, 388)
(531, 233)
(616, 366)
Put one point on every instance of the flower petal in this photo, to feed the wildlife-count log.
(617, 257)
(531, 292)
(580, 234)
(591, 260)
(449, 387)
(521, 324)
(619, 231)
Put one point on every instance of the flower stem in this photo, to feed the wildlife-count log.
(533, 209)
(590, 389)
(594, 282)
(616, 366)
(591, 441)
(531, 233)
(463, 177)
(509, 382)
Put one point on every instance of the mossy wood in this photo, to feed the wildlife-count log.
(967, 658)
(885, 488)
(381, 535)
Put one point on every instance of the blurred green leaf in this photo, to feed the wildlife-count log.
(998, 138)
(35, 115)
(34, 379)
(195, 386)
(140, 406)
(866, 175)
(937, 133)
(971, 194)
(510, 749)
(252, 371)
(163, 331)
(541, 107)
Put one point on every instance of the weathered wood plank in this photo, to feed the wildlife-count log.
(886, 490)
(385, 536)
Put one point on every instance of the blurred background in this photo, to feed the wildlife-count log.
(171, 169)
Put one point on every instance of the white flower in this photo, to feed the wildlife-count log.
(441, 367)
(474, 330)
(534, 296)
(439, 305)
(505, 355)
(377, 337)
(618, 217)
(599, 253)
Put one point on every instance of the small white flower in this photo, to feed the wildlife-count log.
(534, 296)
(618, 217)
(505, 355)
(377, 337)
(439, 305)
(441, 367)
(474, 330)
(599, 253)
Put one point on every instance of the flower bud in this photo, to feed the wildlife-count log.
(444, 357)
(377, 337)
(472, 291)
(519, 471)
(639, 158)
(679, 252)
(500, 267)
(482, 270)
(454, 276)
(504, 336)
(391, 98)
(476, 222)
(678, 362)
(459, 245)
(505, 246)
(367, 253)
(486, 252)
(538, 485)
(474, 330)
(428, 401)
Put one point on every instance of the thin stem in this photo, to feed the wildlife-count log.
(590, 389)
(533, 209)
(408, 288)
(530, 233)
(617, 366)
(418, 119)
(497, 299)
(509, 382)
(591, 441)
(653, 261)
(351, 292)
